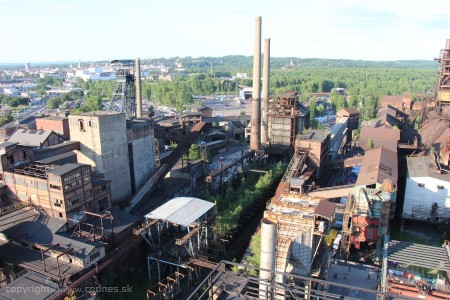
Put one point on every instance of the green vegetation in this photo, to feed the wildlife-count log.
(6, 118)
(255, 251)
(63, 100)
(370, 144)
(13, 101)
(237, 200)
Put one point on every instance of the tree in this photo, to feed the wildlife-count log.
(93, 103)
(6, 118)
(370, 144)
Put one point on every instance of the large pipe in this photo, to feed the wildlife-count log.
(138, 89)
(255, 138)
(265, 93)
(267, 258)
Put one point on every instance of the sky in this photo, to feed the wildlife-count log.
(92, 30)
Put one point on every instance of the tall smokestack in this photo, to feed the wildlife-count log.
(265, 93)
(255, 138)
(138, 89)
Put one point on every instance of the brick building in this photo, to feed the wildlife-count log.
(60, 125)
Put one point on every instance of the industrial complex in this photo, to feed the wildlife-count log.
(84, 192)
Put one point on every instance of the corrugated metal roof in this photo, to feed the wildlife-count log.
(325, 209)
(30, 137)
(377, 165)
(182, 210)
(435, 258)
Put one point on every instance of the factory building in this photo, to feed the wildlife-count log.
(427, 191)
(286, 118)
(375, 195)
(62, 191)
(119, 150)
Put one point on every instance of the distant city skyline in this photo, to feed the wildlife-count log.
(64, 30)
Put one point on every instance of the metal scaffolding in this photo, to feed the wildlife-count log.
(124, 95)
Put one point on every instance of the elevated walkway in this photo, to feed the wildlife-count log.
(333, 191)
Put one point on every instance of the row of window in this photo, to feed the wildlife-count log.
(71, 176)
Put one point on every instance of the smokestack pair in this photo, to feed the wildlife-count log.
(256, 135)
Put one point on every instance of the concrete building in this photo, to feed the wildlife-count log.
(104, 146)
(60, 125)
(427, 192)
(36, 138)
(141, 151)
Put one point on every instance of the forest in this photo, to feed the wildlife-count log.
(364, 82)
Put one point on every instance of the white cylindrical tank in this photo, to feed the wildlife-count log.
(267, 257)
(337, 241)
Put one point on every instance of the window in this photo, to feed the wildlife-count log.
(87, 178)
(24, 155)
(421, 184)
(81, 124)
(10, 159)
(90, 123)
(9, 178)
(42, 185)
(440, 187)
(86, 171)
(95, 255)
(54, 178)
(20, 181)
(60, 215)
(31, 183)
(70, 185)
(73, 201)
(55, 187)
(57, 202)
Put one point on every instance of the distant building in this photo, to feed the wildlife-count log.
(23, 122)
(204, 110)
(27, 67)
(427, 192)
(402, 103)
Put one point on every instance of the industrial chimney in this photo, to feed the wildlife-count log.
(265, 93)
(255, 138)
(138, 89)
(267, 258)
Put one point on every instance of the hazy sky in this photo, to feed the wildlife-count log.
(71, 30)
